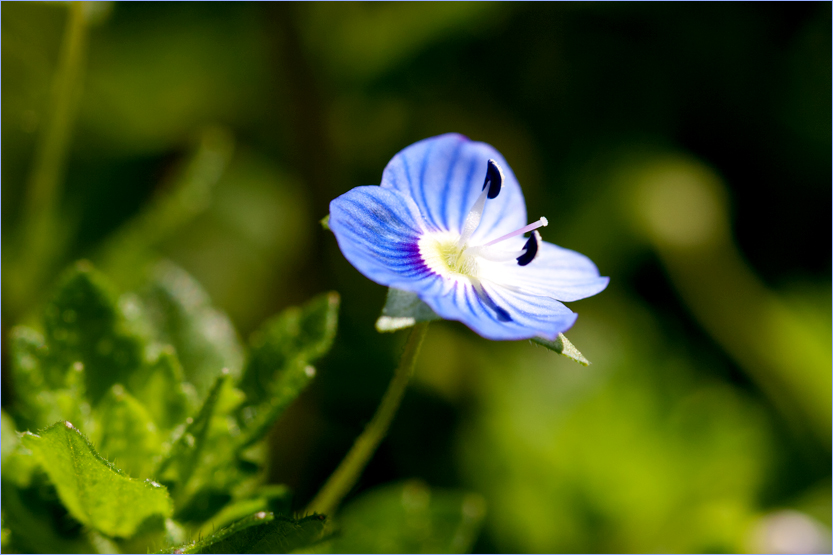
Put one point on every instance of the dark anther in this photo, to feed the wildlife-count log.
(494, 179)
(530, 250)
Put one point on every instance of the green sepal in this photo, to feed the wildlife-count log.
(562, 346)
(403, 309)
(92, 489)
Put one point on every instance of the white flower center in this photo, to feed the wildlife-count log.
(449, 254)
(443, 255)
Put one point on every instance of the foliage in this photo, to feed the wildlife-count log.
(175, 454)
(175, 457)
(409, 518)
(94, 491)
(261, 533)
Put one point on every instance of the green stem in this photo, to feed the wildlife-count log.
(41, 239)
(345, 476)
(51, 154)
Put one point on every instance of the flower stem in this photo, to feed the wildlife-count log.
(345, 476)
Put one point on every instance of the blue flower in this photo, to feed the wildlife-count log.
(447, 223)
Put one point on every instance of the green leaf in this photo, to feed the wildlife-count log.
(83, 324)
(8, 437)
(162, 391)
(178, 466)
(270, 498)
(128, 435)
(279, 364)
(17, 465)
(409, 518)
(204, 338)
(261, 532)
(298, 333)
(94, 491)
(37, 404)
(70, 402)
(403, 309)
(28, 351)
(562, 346)
(256, 420)
(202, 465)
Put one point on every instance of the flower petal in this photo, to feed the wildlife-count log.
(444, 176)
(378, 232)
(529, 316)
(556, 273)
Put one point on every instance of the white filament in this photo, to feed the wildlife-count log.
(535, 225)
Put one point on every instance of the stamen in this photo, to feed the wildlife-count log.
(494, 178)
(494, 255)
(524, 256)
(535, 225)
(491, 189)
(531, 249)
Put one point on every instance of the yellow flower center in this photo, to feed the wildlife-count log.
(441, 254)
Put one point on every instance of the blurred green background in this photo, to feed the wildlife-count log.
(684, 147)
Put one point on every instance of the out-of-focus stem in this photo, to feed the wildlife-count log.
(684, 214)
(40, 239)
(345, 476)
(50, 157)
